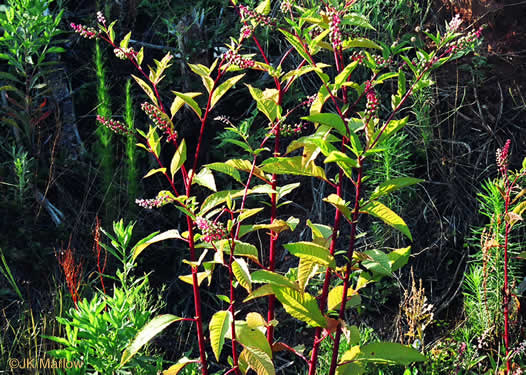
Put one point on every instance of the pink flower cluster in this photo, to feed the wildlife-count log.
(159, 201)
(236, 59)
(101, 19)
(114, 125)
(285, 6)
(503, 157)
(159, 118)
(249, 14)
(84, 31)
(125, 53)
(372, 100)
(246, 32)
(292, 130)
(211, 231)
(335, 34)
(454, 24)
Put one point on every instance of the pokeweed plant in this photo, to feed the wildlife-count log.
(348, 130)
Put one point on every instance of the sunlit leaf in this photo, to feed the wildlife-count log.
(385, 214)
(302, 306)
(188, 99)
(151, 172)
(169, 234)
(388, 186)
(178, 159)
(205, 178)
(146, 88)
(151, 329)
(219, 325)
(242, 274)
(275, 279)
(311, 251)
(223, 89)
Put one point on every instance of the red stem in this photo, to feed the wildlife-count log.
(197, 299)
(346, 282)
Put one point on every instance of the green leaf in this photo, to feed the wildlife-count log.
(267, 101)
(297, 45)
(140, 56)
(147, 89)
(350, 369)
(248, 213)
(258, 360)
(335, 297)
(252, 337)
(360, 43)
(313, 252)
(342, 77)
(356, 19)
(340, 157)
(151, 172)
(306, 270)
(125, 41)
(399, 258)
(200, 70)
(175, 369)
(218, 198)
(178, 159)
(274, 279)
(187, 98)
(226, 169)
(296, 73)
(263, 291)
(178, 102)
(319, 101)
(240, 270)
(385, 214)
(330, 119)
(242, 249)
(292, 165)
(223, 89)
(205, 178)
(302, 306)
(380, 263)
(522, 255)
(263, 7)
(219, 326)
(169, 234)
(151, 329)
(389, 353)
(388, 186)
(340, 204)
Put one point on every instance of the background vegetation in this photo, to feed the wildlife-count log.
(63, 178)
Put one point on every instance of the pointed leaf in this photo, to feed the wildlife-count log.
(240, 270)
(302, 306)
(275, 279)
(388, 186)
(219, 326)
(263, 7)
(335, 297)
(389, 353)
(399, 257)
(178, 159)
(205, 178)
(255, 320)
(380, 263)
(172, 233)
(147, 89)
(151, 329)
(252, 337)
(187, 99)
(306, 270)
(223, 89)
(292, 165)
(340, 204)
(385, 214)
(178, 102)
(313, 252)
(265, 290)
(258, 360)
(154, 171)
(175, 369)
(330, 119)
(226, 169)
